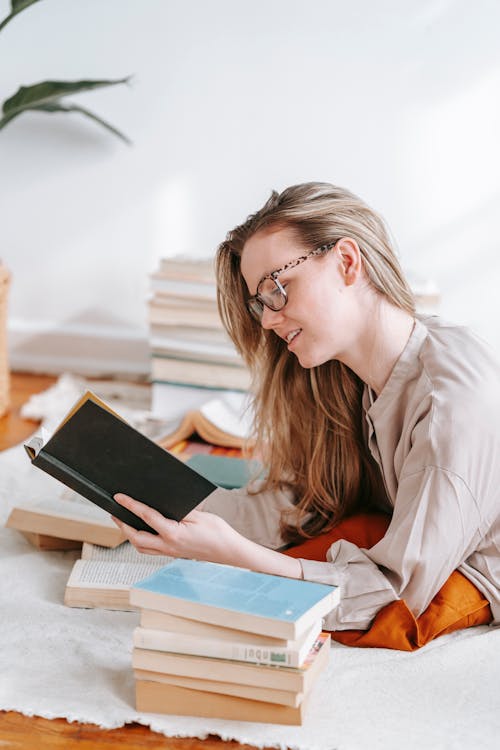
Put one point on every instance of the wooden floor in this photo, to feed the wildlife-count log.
(18, 732)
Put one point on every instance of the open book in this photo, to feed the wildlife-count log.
(97, 454)
(224, 418)
(102, 577)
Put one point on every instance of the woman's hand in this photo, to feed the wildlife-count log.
(199, 535)
(202, 536)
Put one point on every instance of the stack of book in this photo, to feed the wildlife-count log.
(188, 343)
(223, 642)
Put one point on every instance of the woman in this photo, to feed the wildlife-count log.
(359, 404)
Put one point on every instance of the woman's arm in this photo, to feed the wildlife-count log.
(203, 536)
(435, 527)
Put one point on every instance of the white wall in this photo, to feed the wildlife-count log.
(397, 100)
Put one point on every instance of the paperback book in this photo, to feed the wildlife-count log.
(257, 602)
(240, 647)
(290, 679)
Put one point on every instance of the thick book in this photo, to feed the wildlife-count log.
(153, 620)
(254, 692)
(181, 341)
(165, 369)
(161, 698)
(178, 311)
(218, 594)
(238, 647)
(291, 679)
(102, 577)
(48, 543)
(64, 523)
(97, 454)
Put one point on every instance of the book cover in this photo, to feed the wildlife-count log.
(292, 679)
(156, 697)
(239, 648)
(97, 454)
(224, 471)
(255, 602)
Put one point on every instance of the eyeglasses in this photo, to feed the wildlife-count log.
(271, 293)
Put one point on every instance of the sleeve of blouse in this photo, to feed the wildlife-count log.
(255, 516)
(435, 526)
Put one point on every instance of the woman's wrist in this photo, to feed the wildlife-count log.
(265, 560)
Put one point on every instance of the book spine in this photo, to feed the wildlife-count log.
(157, 640)
(75, 481)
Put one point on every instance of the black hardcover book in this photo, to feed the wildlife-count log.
(97, 454)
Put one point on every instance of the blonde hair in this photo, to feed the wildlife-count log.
(308, 422)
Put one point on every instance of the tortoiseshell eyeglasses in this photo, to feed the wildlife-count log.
(271, 293)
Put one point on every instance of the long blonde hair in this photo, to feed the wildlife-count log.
(308, 422)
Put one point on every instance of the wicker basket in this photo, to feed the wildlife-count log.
(4, 365)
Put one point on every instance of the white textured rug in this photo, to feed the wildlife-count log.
(61, 662)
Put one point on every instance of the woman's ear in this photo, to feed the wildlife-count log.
(350, 259)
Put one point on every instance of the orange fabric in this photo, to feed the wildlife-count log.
(458, 604)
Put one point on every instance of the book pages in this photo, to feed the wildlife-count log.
(102, 573)
(125, 553)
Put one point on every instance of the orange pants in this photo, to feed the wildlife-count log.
(458, 604)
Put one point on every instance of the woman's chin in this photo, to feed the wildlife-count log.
(308, 362)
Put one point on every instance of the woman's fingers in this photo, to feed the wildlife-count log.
(149, 515)
(162, 543)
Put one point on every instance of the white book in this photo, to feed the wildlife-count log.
(180, 288)
(154, 620)
(190, 372)
(238, 647)
(187, 268)
(102, 577)
(196, 350)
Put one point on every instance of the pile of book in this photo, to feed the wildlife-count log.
(189, 345)
(223, 642)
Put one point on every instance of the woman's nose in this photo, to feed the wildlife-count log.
(270, 318)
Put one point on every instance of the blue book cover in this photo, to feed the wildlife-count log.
(238, 590)
(224, 471)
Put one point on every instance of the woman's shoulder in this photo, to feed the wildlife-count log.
(455, 358)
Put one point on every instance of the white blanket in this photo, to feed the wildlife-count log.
(72, 663)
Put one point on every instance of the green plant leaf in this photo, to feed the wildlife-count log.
(46, 96)
(28, 97)
(87, 113)
(17, 6)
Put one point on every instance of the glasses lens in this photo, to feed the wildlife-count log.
(272, 294)
(256, 308)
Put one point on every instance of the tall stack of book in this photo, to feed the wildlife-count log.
(223, 642)
(188, 343)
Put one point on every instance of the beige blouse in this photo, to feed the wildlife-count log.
(434, 430)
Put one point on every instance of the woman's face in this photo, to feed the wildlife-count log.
(317, 321)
